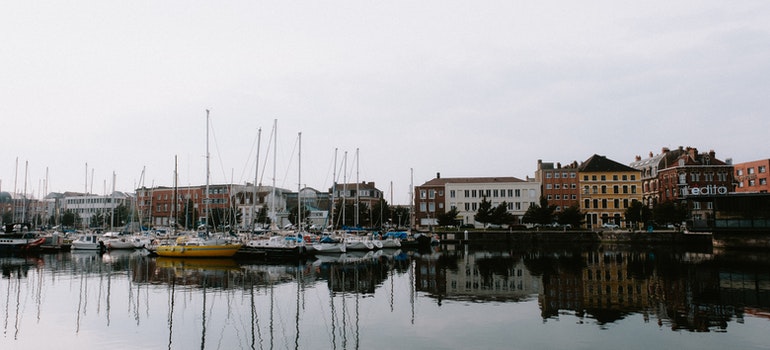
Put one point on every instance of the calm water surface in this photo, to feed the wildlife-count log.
(598, 298)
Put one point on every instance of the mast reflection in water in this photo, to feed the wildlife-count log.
(528, 298)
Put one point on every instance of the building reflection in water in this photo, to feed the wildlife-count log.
(695, 291)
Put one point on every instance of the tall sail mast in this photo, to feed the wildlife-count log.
(299, 182)
(274, 216)
(256, 178)
(206, 197)
(334, 189)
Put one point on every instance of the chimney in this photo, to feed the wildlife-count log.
(651, 154)
(558, 165)
(664, 150)
(438, 175)
(638, 158)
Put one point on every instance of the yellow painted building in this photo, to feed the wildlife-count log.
(607, 189)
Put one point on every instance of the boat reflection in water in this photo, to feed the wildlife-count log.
(388, 299)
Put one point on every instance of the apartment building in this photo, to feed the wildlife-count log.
(607, 189)
(438, 195)
(559, 184)
(752, 176)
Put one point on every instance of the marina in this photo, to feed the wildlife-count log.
(446, 297)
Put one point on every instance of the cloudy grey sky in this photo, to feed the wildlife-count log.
(465, 88)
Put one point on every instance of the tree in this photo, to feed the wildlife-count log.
(401, 216)
(380, 213)
(501, 216)
(484, 214)
(449, 218)
(570, 216)
(70, 218)
(669, 213)
(637, 212)
(539, 214)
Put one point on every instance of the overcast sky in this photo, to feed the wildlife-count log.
(470, 88)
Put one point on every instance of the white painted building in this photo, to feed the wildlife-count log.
(467, 195)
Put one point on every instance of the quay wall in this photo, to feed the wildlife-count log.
(575, 237)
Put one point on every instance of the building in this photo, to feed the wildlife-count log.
(437, 196)
(363, 194)
(673, 175)
(559, 185)
(752, 176)
(94, 210)
(608, 188)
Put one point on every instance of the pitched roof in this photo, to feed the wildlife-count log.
(601, 163)
(441, 181)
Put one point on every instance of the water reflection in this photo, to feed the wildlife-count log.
(344, 301)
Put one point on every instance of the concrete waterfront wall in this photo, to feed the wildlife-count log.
(576, 237)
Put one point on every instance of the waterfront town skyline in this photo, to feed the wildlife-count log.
(452, 87)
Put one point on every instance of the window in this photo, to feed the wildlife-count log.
(423, 207)
(431, 207)
(633, 177)
(587, 203)
(633, 189)
(556, 175)
(615, 189)
(593, 177)
(585, 189)
(557, 186)
(451, 193)
(614, 178)
(517, 193)
(564, 175)
(547, 175)
(752, 182)
(625, 177)
(432, 194)
(572, 175)
(694, 177)
(722, 176)
(423, 194)
(696, 205)
(467, 206)
(762, 169)
(604, 189)
(750, 171)
(473, 193)
(763, 181)
(604, 177)
(739, 172)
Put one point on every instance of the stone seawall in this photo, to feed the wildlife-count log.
(576, 237)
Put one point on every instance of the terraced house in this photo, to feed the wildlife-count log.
(608, 188)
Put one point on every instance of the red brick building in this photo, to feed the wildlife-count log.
(752, 176)
(559, 185)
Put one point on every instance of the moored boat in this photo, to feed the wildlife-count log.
(185, 247)
(88, 241)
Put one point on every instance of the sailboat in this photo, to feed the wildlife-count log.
(198, 247)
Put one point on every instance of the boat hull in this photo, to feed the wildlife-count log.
(198, 251)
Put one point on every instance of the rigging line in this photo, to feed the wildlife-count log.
(269, 147)
(216, 147)
(329, 170)
(291, 161)
(248, 160)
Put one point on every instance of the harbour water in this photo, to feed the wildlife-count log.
(450, 298)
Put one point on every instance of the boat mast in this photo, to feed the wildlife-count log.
(256, 178)
(206, 198)
(358, 198)
(334, 187)
(299, 182)
(411, 199)
(344, 186)
(174, 212)
(273, 223)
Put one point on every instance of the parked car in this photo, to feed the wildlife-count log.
(610, 226)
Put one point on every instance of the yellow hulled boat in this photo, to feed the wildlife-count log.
(198, 249)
